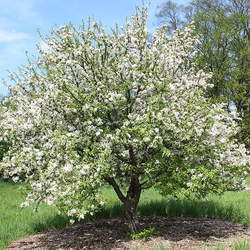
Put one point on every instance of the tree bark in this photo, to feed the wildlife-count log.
(130, 212)
(131, 203)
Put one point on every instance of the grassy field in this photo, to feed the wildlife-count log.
(241, 245)
(16, 222)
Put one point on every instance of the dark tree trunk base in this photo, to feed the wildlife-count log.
(132, 224)
(130, 216)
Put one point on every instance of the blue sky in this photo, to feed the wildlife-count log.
(20, 20)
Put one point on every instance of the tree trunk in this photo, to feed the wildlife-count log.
(130, 205)
(130, 201)
(130, 212)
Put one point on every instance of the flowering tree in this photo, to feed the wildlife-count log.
(114, 108)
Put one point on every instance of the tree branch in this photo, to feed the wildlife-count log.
(117, 189)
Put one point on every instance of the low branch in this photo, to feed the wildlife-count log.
(117, 189)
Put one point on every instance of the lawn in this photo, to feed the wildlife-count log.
(16, 222)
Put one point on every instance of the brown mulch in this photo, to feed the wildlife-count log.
(174, 232)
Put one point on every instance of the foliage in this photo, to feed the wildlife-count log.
(4, 146)
(224, 49)
(223, 28)
(102, 108)
(146, 233)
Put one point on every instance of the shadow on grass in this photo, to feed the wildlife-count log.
(53, 222)
(9, 181)
(195, 208)
(206, 209)
(182, 208)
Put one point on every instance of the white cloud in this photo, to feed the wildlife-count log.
(8, 36)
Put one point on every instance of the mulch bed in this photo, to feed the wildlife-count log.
(174, 232)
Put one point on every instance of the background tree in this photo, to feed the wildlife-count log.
(223, 27)
(170, 13)
(4, 146)
(116, 109)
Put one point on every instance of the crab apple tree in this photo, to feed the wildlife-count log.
(116, 108)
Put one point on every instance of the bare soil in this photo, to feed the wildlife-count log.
(172, 232)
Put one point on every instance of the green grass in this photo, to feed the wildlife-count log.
(16, 222)
(240, 245)
(233, 206)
